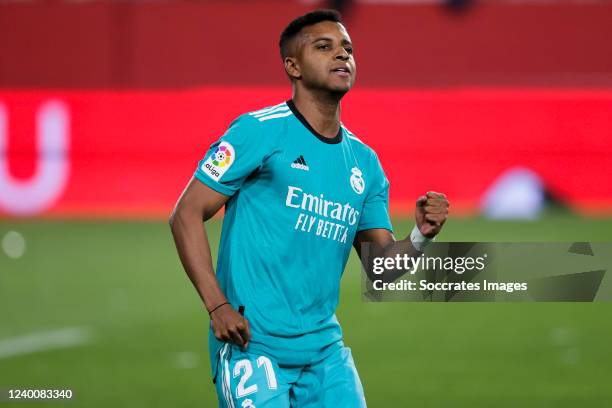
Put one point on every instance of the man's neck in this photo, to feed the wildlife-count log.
(321, 111)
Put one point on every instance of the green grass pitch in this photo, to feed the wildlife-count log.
(122, 282)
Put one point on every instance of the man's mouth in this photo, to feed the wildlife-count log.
(342, 71)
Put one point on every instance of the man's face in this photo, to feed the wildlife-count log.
(324, 57)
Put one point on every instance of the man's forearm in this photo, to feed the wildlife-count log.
(193, 248)
(402, 247)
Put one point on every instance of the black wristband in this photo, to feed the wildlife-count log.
(216, 307)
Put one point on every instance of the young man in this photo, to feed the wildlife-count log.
(299, 190)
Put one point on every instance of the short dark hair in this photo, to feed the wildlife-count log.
(306, 20)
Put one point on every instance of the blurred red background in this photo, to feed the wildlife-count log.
(136, 91)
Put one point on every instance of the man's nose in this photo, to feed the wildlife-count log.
(342, 55)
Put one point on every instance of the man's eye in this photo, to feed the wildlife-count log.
(322, 47)
(349, 50)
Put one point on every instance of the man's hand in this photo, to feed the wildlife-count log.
(229, 326)
(431, 213)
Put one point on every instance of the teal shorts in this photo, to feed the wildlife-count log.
(247, 380)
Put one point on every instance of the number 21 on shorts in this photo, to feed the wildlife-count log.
(244, 370)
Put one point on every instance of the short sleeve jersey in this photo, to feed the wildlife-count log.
(297, 199)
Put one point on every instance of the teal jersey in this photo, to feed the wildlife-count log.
(297, 199)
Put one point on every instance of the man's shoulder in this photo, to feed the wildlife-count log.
(358, 144)
(266, 116)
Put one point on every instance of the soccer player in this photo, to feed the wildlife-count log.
(299, 191)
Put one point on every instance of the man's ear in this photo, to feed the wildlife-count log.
(292, 68)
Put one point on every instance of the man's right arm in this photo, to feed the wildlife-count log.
(199, 203)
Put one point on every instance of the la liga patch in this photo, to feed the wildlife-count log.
(219, 161)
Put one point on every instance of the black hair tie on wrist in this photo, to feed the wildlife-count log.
(210, 312)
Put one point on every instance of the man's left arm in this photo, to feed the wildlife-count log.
(430, 215)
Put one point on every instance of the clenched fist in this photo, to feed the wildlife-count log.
(431, 213)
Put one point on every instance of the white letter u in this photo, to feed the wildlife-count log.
(28, 197)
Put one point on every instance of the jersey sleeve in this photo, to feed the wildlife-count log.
(232, 158)
(375, 213)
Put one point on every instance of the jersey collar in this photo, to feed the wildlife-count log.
(334, 140)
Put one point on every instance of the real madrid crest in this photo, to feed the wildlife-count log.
(356, 180)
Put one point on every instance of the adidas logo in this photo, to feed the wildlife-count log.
(300, 163)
